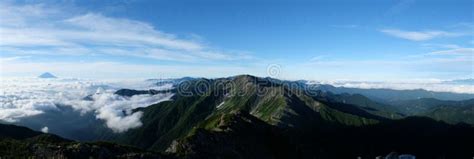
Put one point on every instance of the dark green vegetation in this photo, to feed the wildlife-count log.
(390, 95)
(237, 135)
(251, 117)
(243, 136)
(453, 115)
(449, 111)
(423, 105)
(16, 132)
(448, 107)
(270, 102)
(131, 92)
(21, 142)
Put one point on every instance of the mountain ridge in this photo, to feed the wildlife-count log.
(271, 102)
(47, 75)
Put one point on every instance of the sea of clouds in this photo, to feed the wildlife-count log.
(453, 86)
(24, 97)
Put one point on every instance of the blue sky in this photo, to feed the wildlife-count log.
(314, 40)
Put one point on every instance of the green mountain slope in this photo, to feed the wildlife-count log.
(241, 135)
(449, 111)
(250, 117)
(200, 102)
(364, 103)
(452, 114)
(419, 106)
(314, 126)
(168, 120)
(389, 95)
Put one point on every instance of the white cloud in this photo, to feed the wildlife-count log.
(427, 84)
(419, 35)
(53, 31)
(440, 46)
(120, 123)
(21, 15)
(23, 97)
(454, 63)
(455, 52)
(116, 110)
(13, 114)
(45, 129)
(318, 58)
(13, 58)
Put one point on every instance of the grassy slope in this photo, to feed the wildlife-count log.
(270, 102)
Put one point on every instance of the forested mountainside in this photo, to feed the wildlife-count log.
(390, 95)
(251, 117)
(289, 119)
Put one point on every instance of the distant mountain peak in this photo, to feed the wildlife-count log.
(468, 81)
(47, 75)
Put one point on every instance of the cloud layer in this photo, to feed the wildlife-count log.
(22, 97)
(419, 35)
(431, 85)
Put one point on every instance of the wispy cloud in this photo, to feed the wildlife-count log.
(51, 31)
(13, 58)
(455, 52)
(446, 61)
(427, 84)
(317, 58)
(440, 46)
(419, 35)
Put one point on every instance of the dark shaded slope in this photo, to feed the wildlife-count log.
(364, 103)
(132, 92)
(16, 132)
(420, 106)
(452, 114)
(240, 135)
(21, 142)
(449, 111)
(422, 137)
